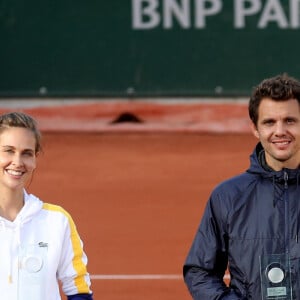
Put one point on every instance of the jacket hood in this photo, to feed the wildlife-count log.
(259, 166)
(32, 205)
(284, 177)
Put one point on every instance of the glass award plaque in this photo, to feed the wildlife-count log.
(275, 277)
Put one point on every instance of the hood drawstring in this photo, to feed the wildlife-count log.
(274, 194)
(3, 227)
(15, 242)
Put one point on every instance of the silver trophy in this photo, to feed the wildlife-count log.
(275, 277)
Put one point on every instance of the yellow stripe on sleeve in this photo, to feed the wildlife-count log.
(77, 262)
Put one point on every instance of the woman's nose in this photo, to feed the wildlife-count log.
(17, 160)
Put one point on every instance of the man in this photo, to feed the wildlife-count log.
(251, 222)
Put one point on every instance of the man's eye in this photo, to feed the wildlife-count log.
(290, 121)
(269, 122)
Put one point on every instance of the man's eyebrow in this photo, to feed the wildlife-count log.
(267, 119)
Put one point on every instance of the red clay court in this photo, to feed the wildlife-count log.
(137, 190)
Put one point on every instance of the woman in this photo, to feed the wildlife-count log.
(39, 244)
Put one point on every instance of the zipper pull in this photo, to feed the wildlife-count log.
(285, 177)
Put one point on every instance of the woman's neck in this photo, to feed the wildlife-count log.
(11, 202)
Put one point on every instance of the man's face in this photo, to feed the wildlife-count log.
(278, 129)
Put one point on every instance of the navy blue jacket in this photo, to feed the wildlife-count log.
(81, 297)
(248, 216)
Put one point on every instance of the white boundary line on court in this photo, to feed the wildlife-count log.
(140, 277)
(136, 277)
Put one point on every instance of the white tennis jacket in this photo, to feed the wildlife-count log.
(40, 247)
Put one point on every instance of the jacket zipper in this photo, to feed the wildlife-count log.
(286, 207)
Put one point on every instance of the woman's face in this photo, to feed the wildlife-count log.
(17, 157)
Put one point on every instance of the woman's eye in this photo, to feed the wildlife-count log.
(28, 154)
(9, 151)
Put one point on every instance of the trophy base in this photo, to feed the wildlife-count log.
(275, 277)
